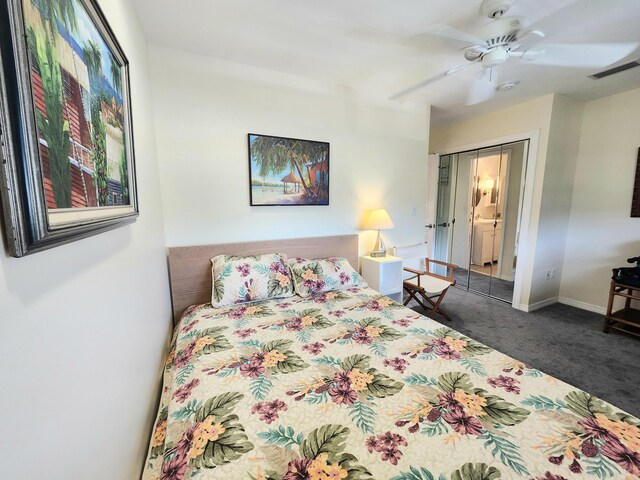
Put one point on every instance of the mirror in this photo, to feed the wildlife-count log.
(486, 189)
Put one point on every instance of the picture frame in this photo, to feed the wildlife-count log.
(635, 198)
(287, 171)
(68, 163)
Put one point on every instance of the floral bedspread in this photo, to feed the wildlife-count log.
(351, 385)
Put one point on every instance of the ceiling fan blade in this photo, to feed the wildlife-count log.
(445, 31)
(428, 81)
(579, 55)
(522, 34)
(483, 87)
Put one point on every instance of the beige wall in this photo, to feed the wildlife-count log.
(601, 234)
(84, 327)
(518, 122)
(555, 198)
(204, 110)
(524, 117)
(557, 121)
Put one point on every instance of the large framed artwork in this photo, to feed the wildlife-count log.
(288, 171)
(635, 199)
(68, 167)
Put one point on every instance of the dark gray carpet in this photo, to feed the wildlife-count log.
(563, 341)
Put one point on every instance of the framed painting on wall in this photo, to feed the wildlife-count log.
(635, 199)
(67, 140)
(288, 171)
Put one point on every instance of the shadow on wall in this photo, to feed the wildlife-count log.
(45, 272)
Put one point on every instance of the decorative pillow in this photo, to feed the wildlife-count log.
(249, 279)
(323, 275)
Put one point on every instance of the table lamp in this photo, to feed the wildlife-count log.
(378, 220)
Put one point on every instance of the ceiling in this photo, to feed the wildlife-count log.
(377, 48)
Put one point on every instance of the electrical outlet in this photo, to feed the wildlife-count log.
(414, 211)
(548, 275)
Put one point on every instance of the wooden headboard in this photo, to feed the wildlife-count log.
(190, 267)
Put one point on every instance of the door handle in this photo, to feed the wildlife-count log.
(431, 225)
(443, 224)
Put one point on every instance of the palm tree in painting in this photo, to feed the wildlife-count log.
(66, 13)
(115, 73)
(93, 60)
(275, 155)
(61, 10)
(54, 128)
(49, 11)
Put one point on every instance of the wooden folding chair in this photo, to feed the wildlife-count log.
(426, 288)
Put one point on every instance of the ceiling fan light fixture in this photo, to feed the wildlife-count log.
(505, 87)
(495, 57)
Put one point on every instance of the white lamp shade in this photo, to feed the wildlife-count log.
(377, 219)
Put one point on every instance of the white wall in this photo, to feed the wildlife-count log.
(204, 109)
(557, 186)
(84, 327)
(601, 234)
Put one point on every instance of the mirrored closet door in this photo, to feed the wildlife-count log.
(479, 203)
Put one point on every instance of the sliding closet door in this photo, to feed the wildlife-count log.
(485, 170)
(508, 214)
(479, 206)
(497, 195)
(445, 204)
(453, 217)
(463, 217)
(500, 186)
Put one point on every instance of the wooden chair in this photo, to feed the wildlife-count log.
(423, 285)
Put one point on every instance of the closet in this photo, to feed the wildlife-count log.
(478, 211)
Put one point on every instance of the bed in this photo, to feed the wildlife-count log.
(348, 384)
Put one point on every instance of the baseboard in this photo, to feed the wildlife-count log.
(582, 305)
(538, 305)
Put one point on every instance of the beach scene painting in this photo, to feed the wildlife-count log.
(288, 171)
(79, 98)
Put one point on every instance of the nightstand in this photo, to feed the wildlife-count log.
(384, 274)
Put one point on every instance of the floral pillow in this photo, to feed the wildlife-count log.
(323, 275)
(249, 279)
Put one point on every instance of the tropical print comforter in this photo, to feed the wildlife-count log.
(351, 385)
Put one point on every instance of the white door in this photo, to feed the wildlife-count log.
(432, 201)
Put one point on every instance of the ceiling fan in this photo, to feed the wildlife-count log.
(503, 38)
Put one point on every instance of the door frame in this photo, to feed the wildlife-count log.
(526, 244)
